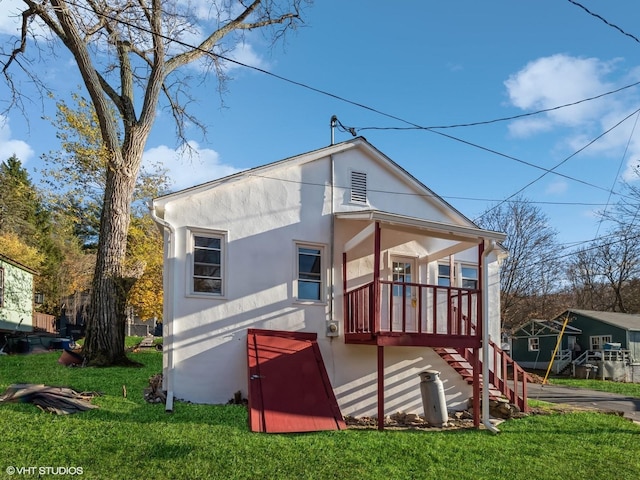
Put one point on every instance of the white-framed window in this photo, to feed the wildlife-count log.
(207, 263)
(534, 344)
(469, 274)
(444, 275)
(597, 342)
(310, 272)
(465, 276)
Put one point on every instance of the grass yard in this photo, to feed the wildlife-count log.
(628, 389)
(128, 438)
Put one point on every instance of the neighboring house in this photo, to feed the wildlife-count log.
(599, 335)
(16, 296)
(533, 345)
(337, 257)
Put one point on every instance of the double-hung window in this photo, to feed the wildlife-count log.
(207, 265)
(534, 344)
(444, 275)
(465, 276)
(310, 277)
(469, 276)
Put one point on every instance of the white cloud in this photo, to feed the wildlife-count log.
(9, 146)
(558, 80)
(246, 54)
(188, 167)
(561, 79)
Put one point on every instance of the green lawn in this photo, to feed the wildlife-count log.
(128, 438)
(628, 389)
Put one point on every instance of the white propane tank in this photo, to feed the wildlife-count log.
(433, 399)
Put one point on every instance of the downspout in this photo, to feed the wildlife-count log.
(332, 290)
(167, 330)
(485, 339)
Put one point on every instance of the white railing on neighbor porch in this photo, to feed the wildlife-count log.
(595, 357)
(561, 360)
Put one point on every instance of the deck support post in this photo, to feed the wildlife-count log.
(380, 387)
(376, 279)
(476, 387)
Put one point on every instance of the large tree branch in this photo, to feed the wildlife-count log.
(90, 76)
(238, 23)
(34, 10)
(158, 73)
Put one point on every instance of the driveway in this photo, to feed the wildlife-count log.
(629, 407)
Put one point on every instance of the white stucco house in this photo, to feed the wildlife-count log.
(340, 248)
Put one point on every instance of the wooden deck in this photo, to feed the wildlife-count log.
(447, 319)
(412, 314)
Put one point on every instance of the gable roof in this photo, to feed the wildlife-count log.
(355, 143)
(19, 265)
(553, 326)
(627, 321)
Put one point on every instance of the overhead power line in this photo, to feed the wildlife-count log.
(599, 17)
(412, 125)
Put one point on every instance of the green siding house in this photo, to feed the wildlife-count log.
(532, 345)
(601, 329)
(16, 296)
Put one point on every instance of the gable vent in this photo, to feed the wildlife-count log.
(359, 187)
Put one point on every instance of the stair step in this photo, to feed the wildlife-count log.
(464, 368)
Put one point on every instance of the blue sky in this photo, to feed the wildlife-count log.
(429, 64)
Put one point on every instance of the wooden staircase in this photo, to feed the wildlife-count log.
(461, 365)
(499, 387)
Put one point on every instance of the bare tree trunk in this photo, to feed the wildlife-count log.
(104, 342)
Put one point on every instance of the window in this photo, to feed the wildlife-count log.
(359, 187)
(309, 272)
(444, 275)
(401, 274)
(469, 277)
(534, 344)
(207, 264)
(597, 342)
(1, 287)
(465, 276)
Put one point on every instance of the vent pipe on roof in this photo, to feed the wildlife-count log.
(334, 122)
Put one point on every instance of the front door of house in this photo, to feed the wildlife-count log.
(403, 276)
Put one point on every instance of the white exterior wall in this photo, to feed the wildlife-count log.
(262, 216)
(18, 298)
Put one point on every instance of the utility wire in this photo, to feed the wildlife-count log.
(395, 117)
(505, 119)
(375, 110)
(423, 195)
(577, 4)
(610, 191)
(624, 155)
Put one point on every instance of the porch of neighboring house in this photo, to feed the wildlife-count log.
(399, 311)
(605, 363)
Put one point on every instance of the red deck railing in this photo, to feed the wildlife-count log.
(412, 308)
(517, 391)
(442, 313)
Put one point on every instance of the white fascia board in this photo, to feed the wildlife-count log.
(256, 172)
(437, 229)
